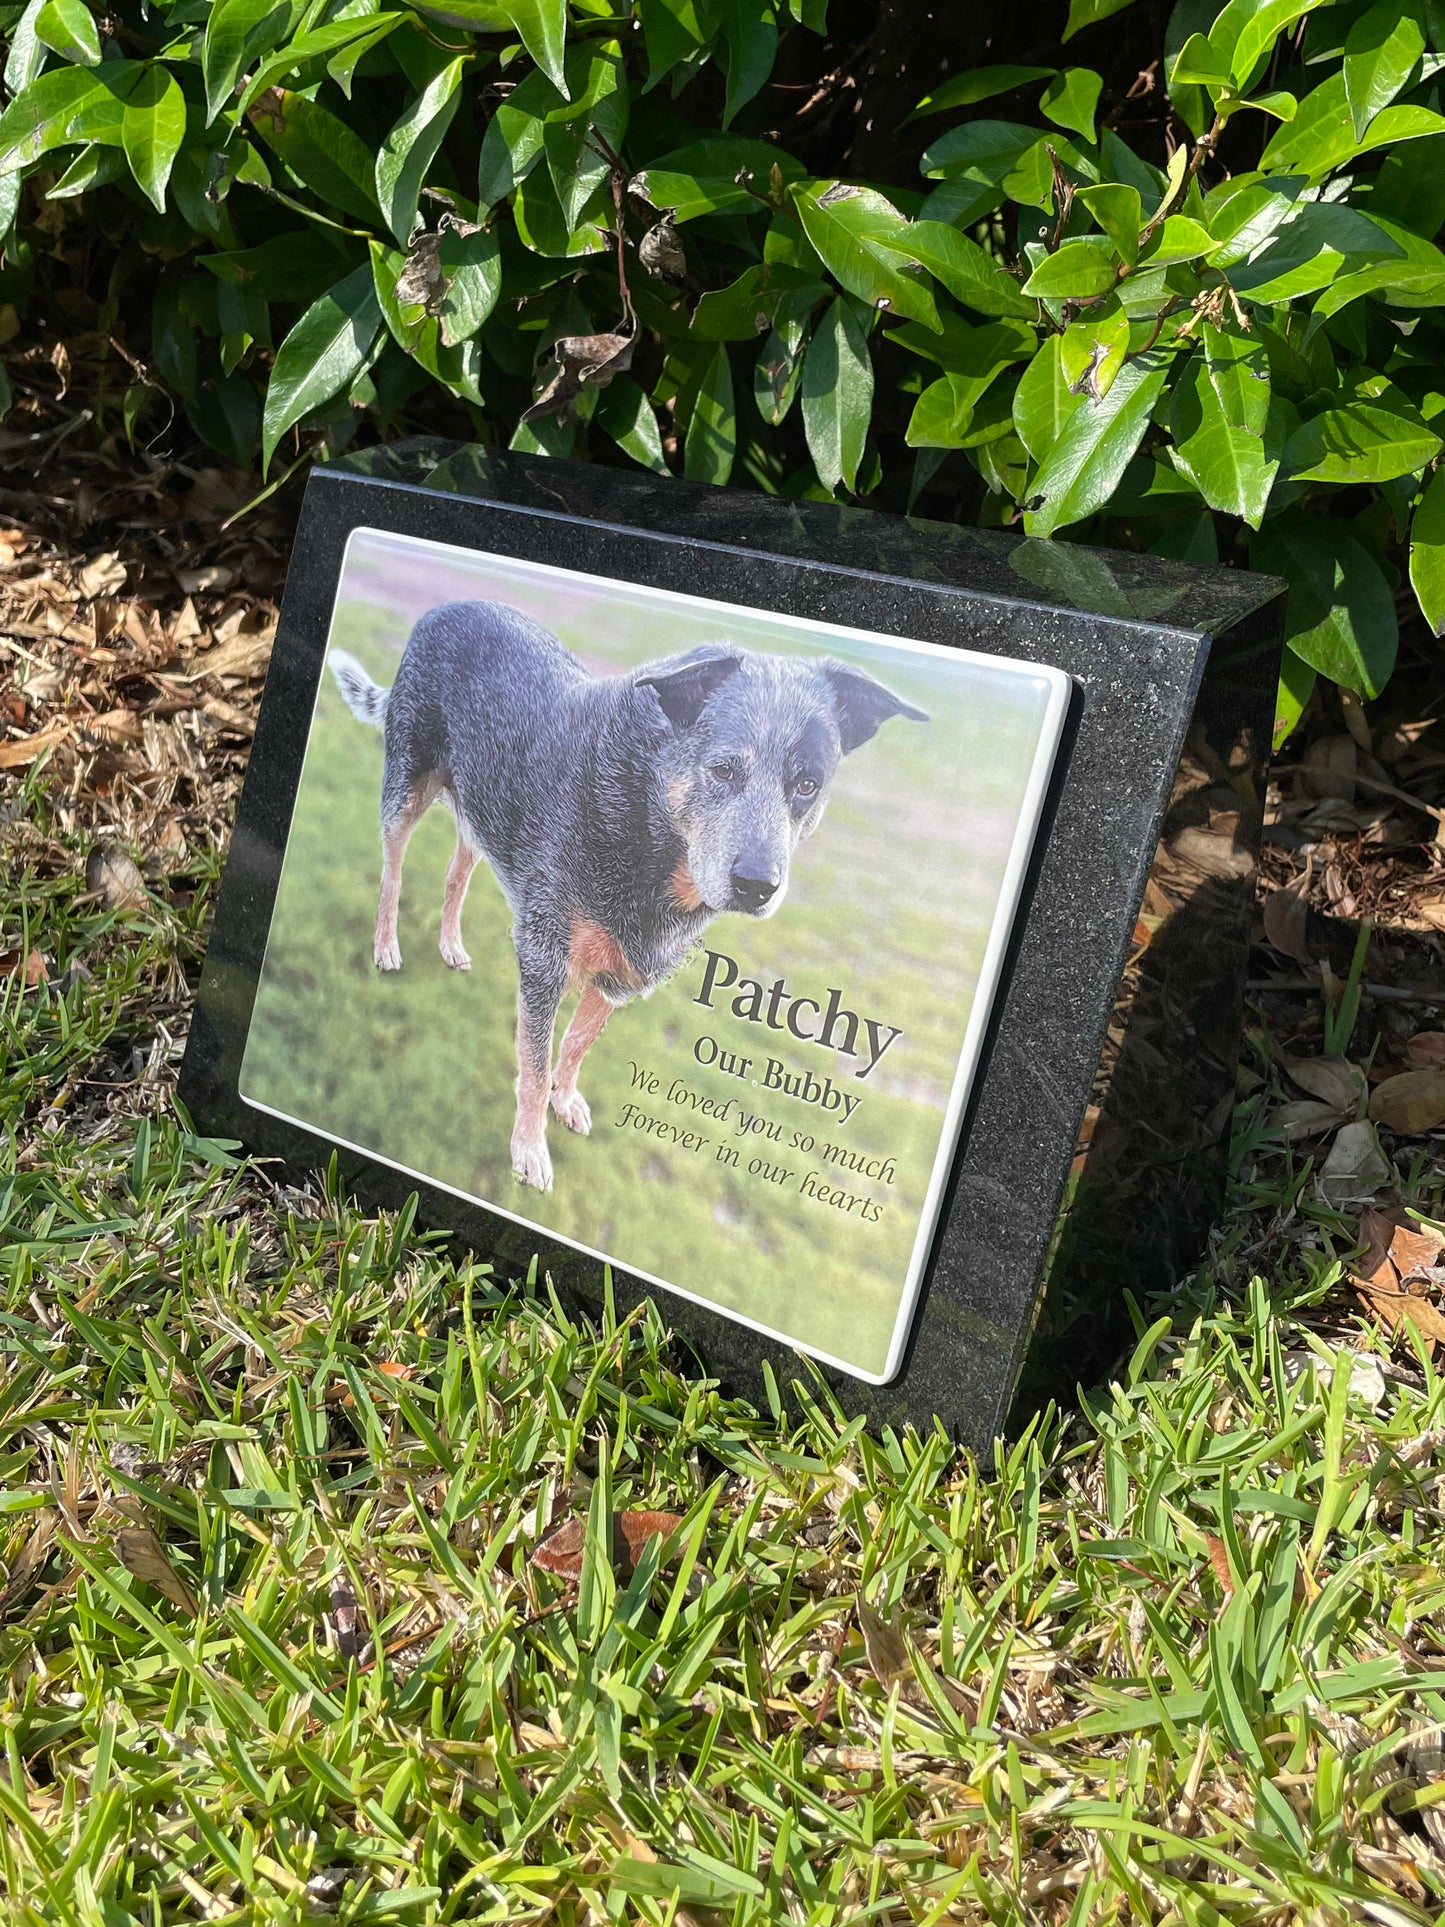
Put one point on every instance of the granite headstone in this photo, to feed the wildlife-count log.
(988, 1041)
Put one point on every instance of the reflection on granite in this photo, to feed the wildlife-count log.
(1120, 1008)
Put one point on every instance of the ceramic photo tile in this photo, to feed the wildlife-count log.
(661, 925)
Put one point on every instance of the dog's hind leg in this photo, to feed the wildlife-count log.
(582, 1033)
(465, 859)
(539, 992)
(399, 817)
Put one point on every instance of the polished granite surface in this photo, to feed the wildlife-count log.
(1133, 1043)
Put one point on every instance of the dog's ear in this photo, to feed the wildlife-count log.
(862, 705)
(684, 684)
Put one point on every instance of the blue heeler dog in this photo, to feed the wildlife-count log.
(620, 814)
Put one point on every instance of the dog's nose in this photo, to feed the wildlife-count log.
(753, 886)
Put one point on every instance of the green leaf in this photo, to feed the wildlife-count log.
(1247, 30)
(779, 364)
(1381, 50)
(1322, 135)
(1088, 13)
(863, 241)
(322, 44)
(66, 105)
(944, 414)
(68, 28)
(236, 31)
(750, 40)
(323, 153)
(1297, 680)
(975, 84)
(981, 150)
(1083, 468)
(1341, 617)
(544, 227)
(1199, 64)
(1361, 442)
(472, 265)
(1243, 214)
(624, 412)
(456, 364)
(1178, 238)
(1217, 415)
(1071, 100)
(750, 305)
(1076, 271)
(576, 160)
(411, 146)
(322, 355)
(714, 176)
(152, 129)
(542, 25)
(712, 429)
(1120, 213)
(837, 397)
(1092, 349)
(971, 275)
(1044, 402)
(25, 56)
(674, 31)
(1427, 553)
(1322, 240)
(296, 266)
(1413, 279)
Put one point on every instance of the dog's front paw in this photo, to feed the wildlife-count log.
(388, 954)
(532, 1163)
(573, 1110)
(454, 955)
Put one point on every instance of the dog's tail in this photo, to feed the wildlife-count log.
(364, 698)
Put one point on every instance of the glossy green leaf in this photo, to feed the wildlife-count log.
(1177, 238)
(1044, 402)
(1199, 64)
(985, 150)
(1341, 617)
(542, 26)
(1083, 468)
(65, 105)
(749, 306)
(321, 150)
(295, 266)
(321, 45)
(1120, 213)
(1077, 270)
(1361, 442)
(543, 226)
(970, 275)
(1218, 410)
(975, 84)
(68, 28)
(322, 355)
(1427, 553)
(1092, 348)
(25, 55)
(152, 129)
(456, 364)
(1088, 13)
(1243, 214)
(750, 45)
(411, 146)
(235, 32)
(1322, 135)
(674, 30)
(1381, 51)
(1415, 278)
(1409, 190)
(624, 412)
(837, 396)
(1071, 100)
(944, 414)
(778, 368)
(1245, 32)
(712, 429)
(472, 268)
(863, 241)
(576, 142)
(1321, 241)
(1297, 680)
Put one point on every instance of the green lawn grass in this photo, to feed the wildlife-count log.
(1175, 1655)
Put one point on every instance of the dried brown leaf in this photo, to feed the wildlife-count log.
(143, 1555)
(561, 1551)
(661, 250)
(27, 964)
(103, 575)
(113, 875)
(1356, 1168)
(1286, 915)
(1214, 852)
(1219, 1560)
(1330, 1079)
(20, 751)
(1426, 1051)
(1412, 1102)
(581, 359)
(1308, 1117)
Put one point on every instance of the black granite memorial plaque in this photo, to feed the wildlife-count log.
(883, 885)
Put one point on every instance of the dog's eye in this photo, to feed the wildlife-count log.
(805, 789)
(728, 772)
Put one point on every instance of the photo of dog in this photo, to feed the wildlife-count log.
(620, 814)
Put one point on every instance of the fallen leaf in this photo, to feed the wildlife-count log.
(1412, 1102)
(1426, 1050)
(1396, 1309)
(892, 1661)
(1329, 766)
(1432, 909)
(1356, 1168)
(29, 964)
(143, 1555)
(1307, 1118)
(114, 876)
(1215, 853)
(21, 750)
(343, 1618)
(103, 575)
(1394, 1250)
(1330, 1079)
(1286, 915)
(561, 1551)
(394, 1368)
